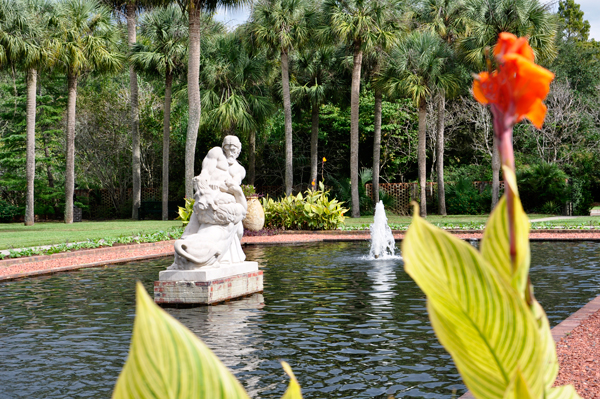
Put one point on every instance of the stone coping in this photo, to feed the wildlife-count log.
(291, 237)
(565, 327)
(77, 252)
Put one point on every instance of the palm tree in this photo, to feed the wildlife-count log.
(376, 60)
(131, 8)
(420, 67)
(85, 41)
(234, 99)
(162, 51)
(195, 9)
(485, 19)
(316, 81)
(444, 17)
(360, 24)
(23, 38)
(282, 25)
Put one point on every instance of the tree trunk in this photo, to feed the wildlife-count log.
(252, 157)
(377, 145)
(70, 168)
(135, 117)
(166, 137)
(422, 160)
(440, 153)
(314, 146)
(287, 114)
(354, 112)
(48, 167)
(193, 80)
(30, 154)
(495, 174)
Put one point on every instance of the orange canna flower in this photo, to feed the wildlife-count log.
(518, 87)
(324, 159)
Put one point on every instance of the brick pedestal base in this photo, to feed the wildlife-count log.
(208, 292)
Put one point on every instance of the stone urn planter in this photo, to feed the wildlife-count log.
(255, 217)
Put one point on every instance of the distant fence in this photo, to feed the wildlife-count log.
(105, 196)
(403, 193)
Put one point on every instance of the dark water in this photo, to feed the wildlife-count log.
(350, 328)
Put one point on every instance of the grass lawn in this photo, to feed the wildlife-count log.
(16, 235)
(578, 221)
(473, 219)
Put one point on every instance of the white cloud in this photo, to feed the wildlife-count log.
(232, 18)
(591, 9)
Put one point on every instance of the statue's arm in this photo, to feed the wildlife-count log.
(209, 165)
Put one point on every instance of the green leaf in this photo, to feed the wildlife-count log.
(546, 343)
(293, 391)
(495, 245)
(518, 388)
(168, 361)
(495, 249)
(480, 318)
(563, 392)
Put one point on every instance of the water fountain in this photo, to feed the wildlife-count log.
(382, 239)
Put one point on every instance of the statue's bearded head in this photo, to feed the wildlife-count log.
(232, 146)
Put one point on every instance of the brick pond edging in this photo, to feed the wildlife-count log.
(66, 261)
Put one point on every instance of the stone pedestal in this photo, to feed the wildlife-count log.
(208, 285)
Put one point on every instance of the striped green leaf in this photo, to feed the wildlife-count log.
(167, 361)
(293, 391)
(518, 388)
(495, 245)
(495, 249)
(478, 316)
(564, 392)
(546, 344)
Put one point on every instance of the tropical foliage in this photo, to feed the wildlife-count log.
(355, 114)
(311, 211)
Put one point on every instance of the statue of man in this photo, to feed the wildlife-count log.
(215, 228)
(220, 165)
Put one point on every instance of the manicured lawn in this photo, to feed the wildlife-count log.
(16, 235)
(434, 219)
(586, 221)
(394, 219)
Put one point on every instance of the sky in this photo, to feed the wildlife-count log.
(233, 18)
(591, 9)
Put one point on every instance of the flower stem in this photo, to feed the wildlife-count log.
(503, 124)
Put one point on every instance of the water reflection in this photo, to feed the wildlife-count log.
(350, 328)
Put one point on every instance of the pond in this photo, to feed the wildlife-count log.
(349, 327)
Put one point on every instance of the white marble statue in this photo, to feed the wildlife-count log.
(212, 236)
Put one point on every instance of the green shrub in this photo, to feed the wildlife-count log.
(581, 195)
(542, 184)
(311, 211)
(248, 190)
(472, 172)
(8, 211)
(463, 198)
(343, 191)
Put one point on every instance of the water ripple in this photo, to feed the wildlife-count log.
(349, 327)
